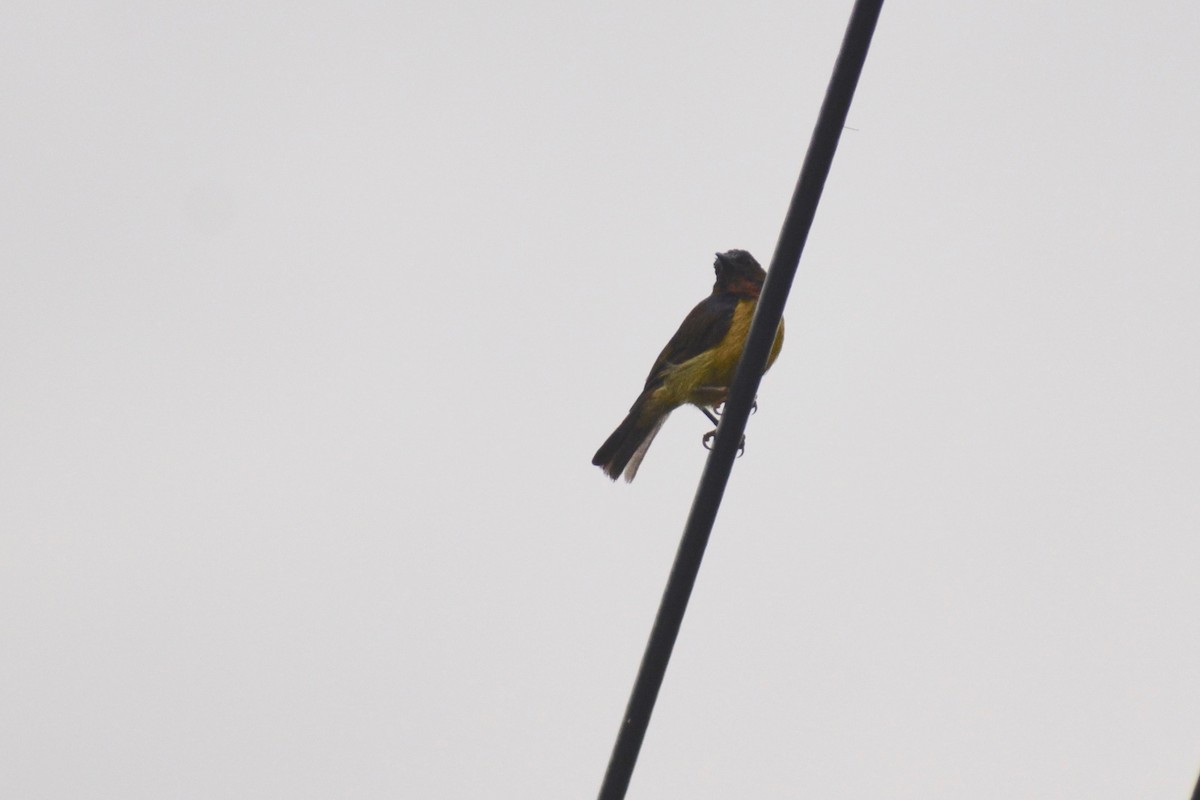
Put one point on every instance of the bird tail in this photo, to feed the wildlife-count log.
(624, 450)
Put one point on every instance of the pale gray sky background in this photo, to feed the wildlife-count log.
(314, 313)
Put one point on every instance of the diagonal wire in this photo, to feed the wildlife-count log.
(699, 525)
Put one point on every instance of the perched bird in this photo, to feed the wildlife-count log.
(696, 366)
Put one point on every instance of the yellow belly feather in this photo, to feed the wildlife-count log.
(694, 380)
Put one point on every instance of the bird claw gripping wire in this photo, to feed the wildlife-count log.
(707, 439)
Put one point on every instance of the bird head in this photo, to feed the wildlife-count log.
(738, 273)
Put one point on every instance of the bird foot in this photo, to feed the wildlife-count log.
(707, 439)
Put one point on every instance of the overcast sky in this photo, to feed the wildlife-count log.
(313, 314)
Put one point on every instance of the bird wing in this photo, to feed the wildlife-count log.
(702, 329)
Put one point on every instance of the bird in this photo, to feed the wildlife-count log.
(697, 365)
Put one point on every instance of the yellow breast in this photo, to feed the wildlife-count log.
(704, 379)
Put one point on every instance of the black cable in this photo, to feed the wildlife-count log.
(792, 237)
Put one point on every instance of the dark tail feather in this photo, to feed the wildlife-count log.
(625, 449)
